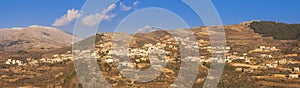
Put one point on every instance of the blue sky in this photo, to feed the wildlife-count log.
(22, 13)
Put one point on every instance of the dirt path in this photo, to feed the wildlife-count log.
(244, 65)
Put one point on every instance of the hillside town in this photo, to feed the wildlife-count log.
(262, 63)
(248, 58)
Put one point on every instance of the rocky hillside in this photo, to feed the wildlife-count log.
(33, 37)
(241, 34)
(239, 37)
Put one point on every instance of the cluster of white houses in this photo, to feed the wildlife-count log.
(295, 73)
(265, 49)
(56, 58)
(14, 62)
(271, 63)
(158, 48)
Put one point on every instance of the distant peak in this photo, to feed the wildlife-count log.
(38, 26)
(246, 22)
(255, 21)
(148, 29)
(34, 26)
(17, 28)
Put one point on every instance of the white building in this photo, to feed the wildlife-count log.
(109, 60)
(293, 75)
(13, 62)
(18, 62)
(242, 58)
(228, 48)
(272, 65)
(262, 47)
(56, 55)
(8, 62)
(235, 53)
(296, 69)
(247, 60)
(228, 60)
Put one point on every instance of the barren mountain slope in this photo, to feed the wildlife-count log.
(33, 37)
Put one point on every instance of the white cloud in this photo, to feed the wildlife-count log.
(93, 19)
(136, 3)
(124, 7)
(71, 15)
(109, 8)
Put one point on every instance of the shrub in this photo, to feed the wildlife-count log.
(22, 52)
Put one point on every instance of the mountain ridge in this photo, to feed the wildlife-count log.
(34, 37)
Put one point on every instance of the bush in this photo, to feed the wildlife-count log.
(22, 52)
